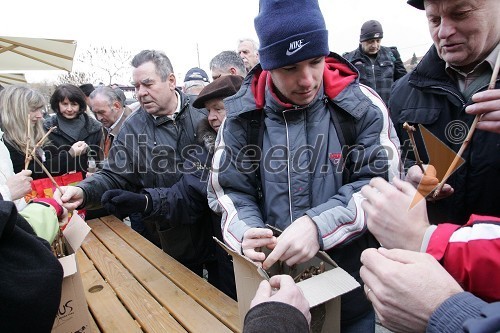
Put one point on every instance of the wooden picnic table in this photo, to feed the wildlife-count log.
(133, 286)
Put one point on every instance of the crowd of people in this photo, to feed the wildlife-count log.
(282, 133)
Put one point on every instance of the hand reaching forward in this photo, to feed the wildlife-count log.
(396, 214)
(254, 239)
(426, 184)
(288, 292)
(297, 244)
(405, 287)
(122, 203)
(70, 198)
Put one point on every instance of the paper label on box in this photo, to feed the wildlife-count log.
(76, 231)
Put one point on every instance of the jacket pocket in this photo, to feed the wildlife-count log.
(420, 115)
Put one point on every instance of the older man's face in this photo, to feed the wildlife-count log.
(105, 112)
(216, 112)
(157, 97)
(249, 54)
(464, 31)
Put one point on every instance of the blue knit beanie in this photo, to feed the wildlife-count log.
(290, 32)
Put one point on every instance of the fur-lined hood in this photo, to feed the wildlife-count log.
(206, 135)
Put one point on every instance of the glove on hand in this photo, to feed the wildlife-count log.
(121, 203)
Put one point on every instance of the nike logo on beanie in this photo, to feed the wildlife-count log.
(295, 46)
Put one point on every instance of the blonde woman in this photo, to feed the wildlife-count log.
(17, 102)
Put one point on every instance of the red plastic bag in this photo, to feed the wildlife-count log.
(43, 188)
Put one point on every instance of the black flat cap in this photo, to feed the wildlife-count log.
(87, 88)
(222, 87)
(416, 3)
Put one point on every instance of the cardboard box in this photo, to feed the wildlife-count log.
(73, 315)
(323, 291)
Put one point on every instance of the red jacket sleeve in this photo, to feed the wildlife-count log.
(471, 254)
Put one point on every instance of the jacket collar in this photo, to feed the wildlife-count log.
(430, 71)
(257, 86)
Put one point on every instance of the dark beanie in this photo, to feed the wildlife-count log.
(290, 32)
(87, 88)
(223, 87)
(416, 3)
(371, 30)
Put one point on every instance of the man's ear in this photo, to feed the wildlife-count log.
(232, 70)
(172, 81)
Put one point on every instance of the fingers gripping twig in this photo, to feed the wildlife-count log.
(410, 129)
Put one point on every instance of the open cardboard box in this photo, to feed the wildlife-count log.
(323, 291)
(72, 315)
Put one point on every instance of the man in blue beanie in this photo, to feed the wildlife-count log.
(301, 106)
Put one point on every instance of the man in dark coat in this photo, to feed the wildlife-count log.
(379, 66)
(444, 93)
(147, 153)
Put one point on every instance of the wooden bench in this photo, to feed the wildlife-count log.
(133, 286)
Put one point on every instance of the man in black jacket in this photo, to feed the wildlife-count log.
(378, 66)
(185, 202)
(444, 94)
(147, 153)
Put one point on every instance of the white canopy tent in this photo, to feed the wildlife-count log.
(24, 54)
(10, 78)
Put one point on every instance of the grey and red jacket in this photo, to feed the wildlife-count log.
(307, 178)
(428, 96)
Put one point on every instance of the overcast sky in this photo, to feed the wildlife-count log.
(179, 27)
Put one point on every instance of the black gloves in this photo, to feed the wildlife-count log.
(121, 203)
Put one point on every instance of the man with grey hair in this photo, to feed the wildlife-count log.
(146, 153)
(248, 49)
(227, 63)
(446, 91)
(107, 106)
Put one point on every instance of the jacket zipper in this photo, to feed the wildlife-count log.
(288, 168)
(374, 78)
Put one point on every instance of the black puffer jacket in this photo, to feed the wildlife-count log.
(380, 74)
(428, 96)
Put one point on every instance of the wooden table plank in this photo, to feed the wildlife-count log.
(93, 326)
(192, 316)
(105, 307)
(150, 315)
(216, 302)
